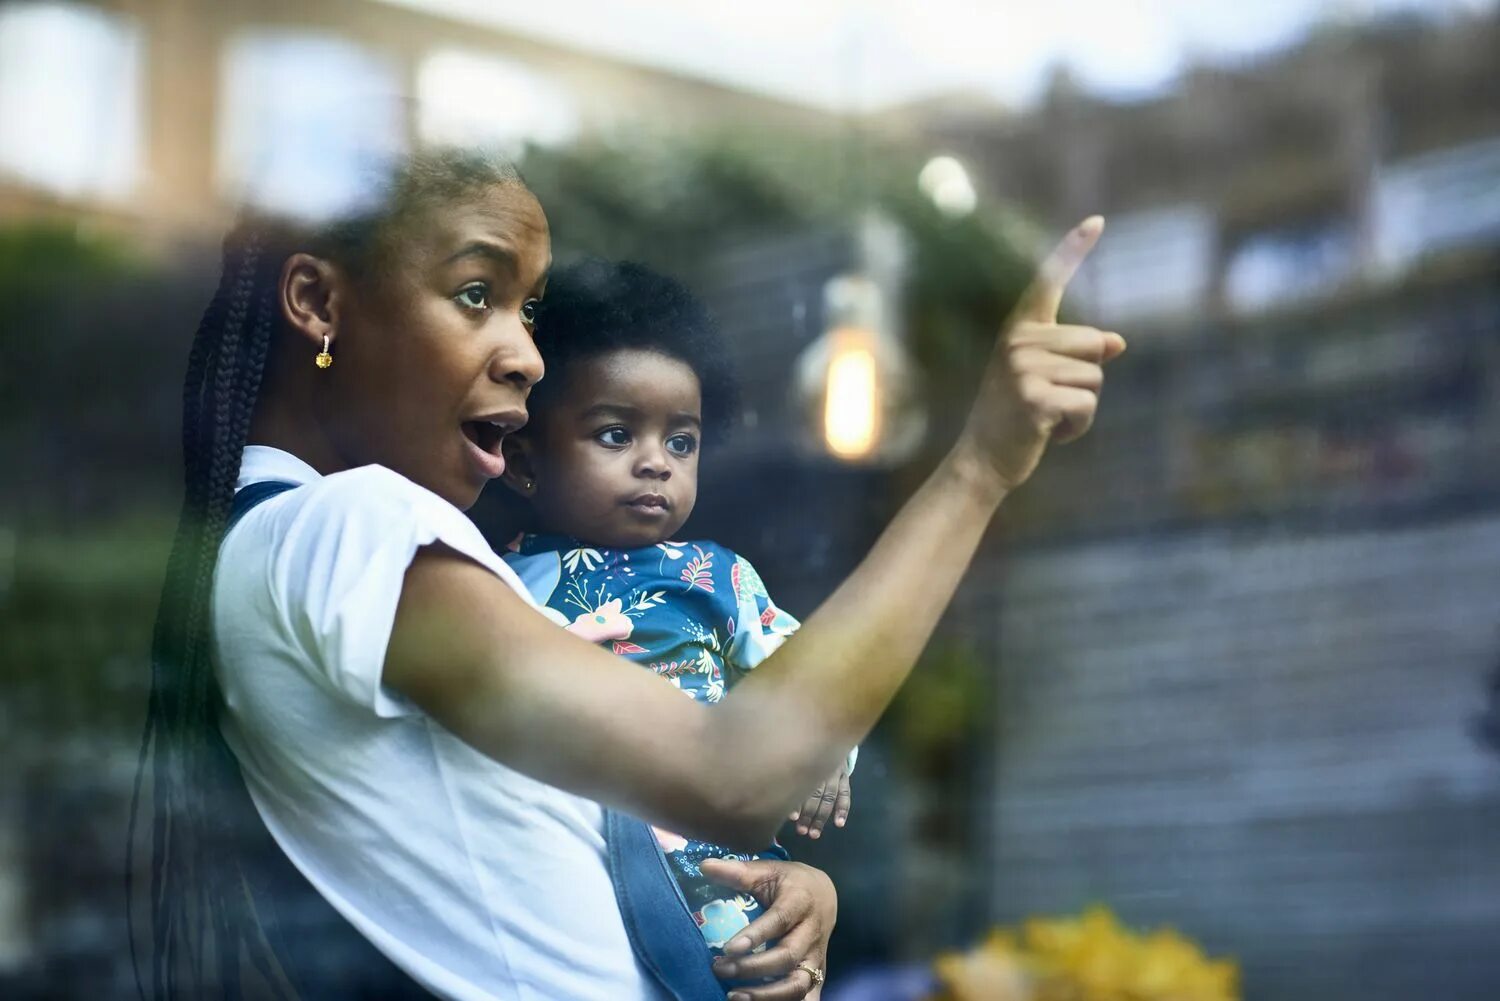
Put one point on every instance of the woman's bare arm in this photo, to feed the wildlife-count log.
(509, 682)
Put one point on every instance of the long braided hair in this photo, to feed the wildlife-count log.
(209, 914)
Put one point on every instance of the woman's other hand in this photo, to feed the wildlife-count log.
(801, 908)
(1042, 383)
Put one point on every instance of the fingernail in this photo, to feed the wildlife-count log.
(741, 944)
(795, 815)
(839, 820)
(801, 829)
(737, 996)
(724, 968)
(1090, 226)
(814, 835)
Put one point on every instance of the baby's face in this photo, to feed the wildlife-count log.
(615, 459)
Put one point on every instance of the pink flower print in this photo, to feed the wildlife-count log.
(697, 572)
(607, 622)
(672, 669)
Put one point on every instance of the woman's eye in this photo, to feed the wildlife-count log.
(476, 296)
(614, 437)
(528, 311)
(682, 444)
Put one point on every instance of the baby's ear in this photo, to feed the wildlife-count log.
(519, 474)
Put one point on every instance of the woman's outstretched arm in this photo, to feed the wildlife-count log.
(506, 680)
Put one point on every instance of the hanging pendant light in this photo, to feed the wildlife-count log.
(855, 383)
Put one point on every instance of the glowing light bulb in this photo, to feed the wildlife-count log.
(854, 384)
(851, 402)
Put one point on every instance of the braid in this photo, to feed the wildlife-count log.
(225, 366)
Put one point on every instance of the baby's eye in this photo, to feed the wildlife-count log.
(682, 444)
(613, 437)
(475, 297)
(528, 312)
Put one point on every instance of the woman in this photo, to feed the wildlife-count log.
(427, 750)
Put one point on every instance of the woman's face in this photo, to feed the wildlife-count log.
(433, 355)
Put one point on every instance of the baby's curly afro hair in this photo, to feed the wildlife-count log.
(597, 306)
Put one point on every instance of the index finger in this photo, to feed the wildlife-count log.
(1043, 297)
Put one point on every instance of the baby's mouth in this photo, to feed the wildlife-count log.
(649, 504)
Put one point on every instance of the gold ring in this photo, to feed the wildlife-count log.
(812, 971)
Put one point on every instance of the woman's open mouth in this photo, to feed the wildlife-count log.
(484, 436)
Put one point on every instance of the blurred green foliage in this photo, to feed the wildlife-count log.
(47, 267)
(41, 257)
(75, 628)
(673, 201)
(942, 711)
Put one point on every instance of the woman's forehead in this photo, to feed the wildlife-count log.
(505, 216)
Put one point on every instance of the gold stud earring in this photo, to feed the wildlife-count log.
(324, 359)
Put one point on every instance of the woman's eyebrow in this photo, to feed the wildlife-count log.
(496, 252)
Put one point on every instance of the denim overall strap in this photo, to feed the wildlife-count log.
(321, 952)
(252, 494)
(663, 933)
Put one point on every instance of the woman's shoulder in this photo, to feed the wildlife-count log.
(355, 511)
(368, 495)
(377, 486)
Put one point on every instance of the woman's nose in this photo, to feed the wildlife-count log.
(517, 361)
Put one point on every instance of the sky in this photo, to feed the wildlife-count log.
(863, 55)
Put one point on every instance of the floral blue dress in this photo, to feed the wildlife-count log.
(696, 614)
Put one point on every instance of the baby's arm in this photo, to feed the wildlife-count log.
(761, 628)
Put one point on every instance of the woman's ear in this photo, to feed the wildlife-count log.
(520, 472)
(311, 293)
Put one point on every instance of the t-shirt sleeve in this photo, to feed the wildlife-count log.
(337, 570)
(760, 626)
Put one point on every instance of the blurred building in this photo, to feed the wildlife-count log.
(1245, 626)
(161, 116)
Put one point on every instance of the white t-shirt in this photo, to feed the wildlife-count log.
(477, 881)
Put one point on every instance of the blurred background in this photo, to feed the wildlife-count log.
(1228, 666)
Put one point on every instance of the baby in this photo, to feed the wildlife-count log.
(608, 469)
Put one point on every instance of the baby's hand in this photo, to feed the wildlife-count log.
(829, 799)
